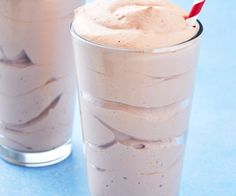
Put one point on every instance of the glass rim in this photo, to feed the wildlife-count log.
(154, 50)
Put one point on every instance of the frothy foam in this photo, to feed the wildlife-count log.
(137, 24)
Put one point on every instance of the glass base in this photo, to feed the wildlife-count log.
(37, 159)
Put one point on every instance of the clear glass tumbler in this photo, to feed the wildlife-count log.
(135, 108)
(37, 86)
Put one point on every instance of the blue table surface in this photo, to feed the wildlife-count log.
(210, 161)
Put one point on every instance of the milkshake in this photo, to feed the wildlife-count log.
(135, 66)
(37, 87)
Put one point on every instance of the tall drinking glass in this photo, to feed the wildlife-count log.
(135, 107)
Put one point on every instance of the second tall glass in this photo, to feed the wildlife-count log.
(37, 87)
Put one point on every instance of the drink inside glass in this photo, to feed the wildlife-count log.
(37, 87)
(135, 91)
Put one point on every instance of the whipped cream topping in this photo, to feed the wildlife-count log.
(136, 24)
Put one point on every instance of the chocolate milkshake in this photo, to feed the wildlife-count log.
(135, 65)
(37, 87)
